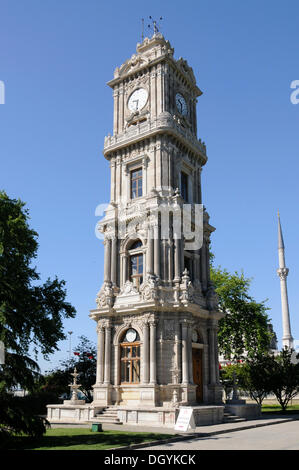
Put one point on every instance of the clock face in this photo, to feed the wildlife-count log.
(131, 335)
(181, 104)
(137, 99)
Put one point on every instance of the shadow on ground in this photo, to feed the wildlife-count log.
(80, 440)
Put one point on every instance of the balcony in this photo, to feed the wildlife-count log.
(165, 123)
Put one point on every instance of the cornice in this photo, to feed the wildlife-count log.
(164, 124)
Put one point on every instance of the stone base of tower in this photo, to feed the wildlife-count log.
(127, 395)
(143, 416)
(170, 395)
(165, 416)
(102, 395)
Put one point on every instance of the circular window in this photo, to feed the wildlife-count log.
(131, 335)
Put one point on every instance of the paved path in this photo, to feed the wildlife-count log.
(284, 436)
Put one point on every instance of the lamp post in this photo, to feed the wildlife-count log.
(70, 350)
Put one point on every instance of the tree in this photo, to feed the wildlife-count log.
(284, 376)
(255, 377)
(84, 360)
(244, 331)
(31, 314)
(229, 375)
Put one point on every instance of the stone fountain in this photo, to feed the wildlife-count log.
(74, 390)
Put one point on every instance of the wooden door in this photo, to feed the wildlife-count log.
(197, 373)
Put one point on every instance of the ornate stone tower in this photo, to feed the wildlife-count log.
(157, 310)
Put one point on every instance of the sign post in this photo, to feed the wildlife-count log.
(185, 420)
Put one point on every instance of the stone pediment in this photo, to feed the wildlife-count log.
(149, 50)
(135, 62)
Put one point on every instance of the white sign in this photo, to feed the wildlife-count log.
(185, 420)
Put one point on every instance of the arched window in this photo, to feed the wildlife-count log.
(136, 244)
(136, 263)
(130, 357)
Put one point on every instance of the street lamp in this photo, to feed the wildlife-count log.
(70, 350)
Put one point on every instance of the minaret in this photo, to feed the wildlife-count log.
(283, 271)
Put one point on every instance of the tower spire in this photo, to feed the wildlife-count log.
(283, 271)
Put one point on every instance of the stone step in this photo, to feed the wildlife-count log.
(228, 418)
(107, 415)
(103, 419)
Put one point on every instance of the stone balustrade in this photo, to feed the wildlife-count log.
(164, 122)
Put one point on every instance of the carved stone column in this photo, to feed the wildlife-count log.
(216, 355)
(190, 325)
(212, 355)
(170, 260)
(177, 259)
(150, 255)
(164, 250)
(185, 365)
(125, 260)
(117, 364)
(113, 171)
(114, 261)
(203, 259)
(107, 361)
(100, 354)
(157, 252)
(153, 356)
(146, 353)
(107, 260)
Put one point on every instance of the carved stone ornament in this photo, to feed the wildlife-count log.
(212, 297)
(128, 288)
(105, 297)
(282, 273)
(148, 288)
(186, 288)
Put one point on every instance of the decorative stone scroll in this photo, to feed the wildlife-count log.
(105, 297)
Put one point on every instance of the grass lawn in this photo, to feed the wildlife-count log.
(291, 409)
(81, 439)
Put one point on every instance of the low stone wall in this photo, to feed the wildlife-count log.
(247, 410)
(152, 417)
(203, 415)
(155, 416)
(69, 413)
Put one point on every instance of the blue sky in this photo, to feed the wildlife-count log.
(55, 59)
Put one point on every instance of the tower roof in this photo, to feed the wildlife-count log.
(280, 237)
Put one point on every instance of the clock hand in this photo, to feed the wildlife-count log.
(136, 107)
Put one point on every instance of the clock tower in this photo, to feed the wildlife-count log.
(157, 312)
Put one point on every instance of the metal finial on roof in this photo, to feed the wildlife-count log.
(142, 30)
(155, 27)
